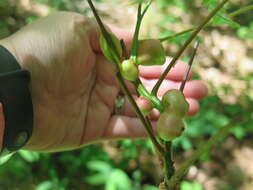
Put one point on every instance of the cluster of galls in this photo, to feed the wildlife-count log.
(151, 52)
(170, 124)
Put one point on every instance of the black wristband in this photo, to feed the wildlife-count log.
(17, 103)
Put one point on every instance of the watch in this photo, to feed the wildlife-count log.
(16, 99)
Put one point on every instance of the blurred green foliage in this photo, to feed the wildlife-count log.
(94, 168)
(190, 186)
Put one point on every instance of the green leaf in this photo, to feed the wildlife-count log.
(206, 2)
(239, 132)
(137, 175)
(245, 32)
(97, 179)
(46, 185)
(121, 179)
(220, 19)
(29, 156)
(5, 159)
(110, 185)
(242, 32)
(98, 165)
(205, 157)
(212, 4)
(186, 143)
(31, 19)
(185, 185)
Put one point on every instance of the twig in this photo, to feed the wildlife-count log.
(232, 14)
(124, 49)
(179, 53)
(189, 66)
(224, 131)
(140, 16)
(169, 168)
(117, 61)
(241, 10)
(145, 122)
(176, 35)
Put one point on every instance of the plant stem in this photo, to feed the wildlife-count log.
(136, 35)
(224, 131)
(241, 10)
(144, 92)
(117, 61)
(144, 120)
(179, 53)
(189, 66)
(232, 14)
(169, 168)
(124, 49)
(140, 15)
(176, 35)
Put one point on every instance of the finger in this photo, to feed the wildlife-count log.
(121, 127)
(122, 34)
(195, 89)
(177, 72)
(125, 127)
(194, 107)
(1, 126)
(127, 110)
(165, 86)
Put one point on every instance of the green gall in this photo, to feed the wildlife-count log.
(151, 52)
(106, 48)
(144, 105)
(129, 70)
(174, 101)
(169, 126)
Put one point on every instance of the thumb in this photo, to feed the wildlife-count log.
(122, 34)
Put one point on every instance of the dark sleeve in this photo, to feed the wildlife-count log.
(17, 103)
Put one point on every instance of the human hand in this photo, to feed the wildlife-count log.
(74, 87)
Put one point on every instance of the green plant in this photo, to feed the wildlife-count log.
(173, 107)
(70, 169)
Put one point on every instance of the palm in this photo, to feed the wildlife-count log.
(101, 100)
(80, 105)
(73, 89)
